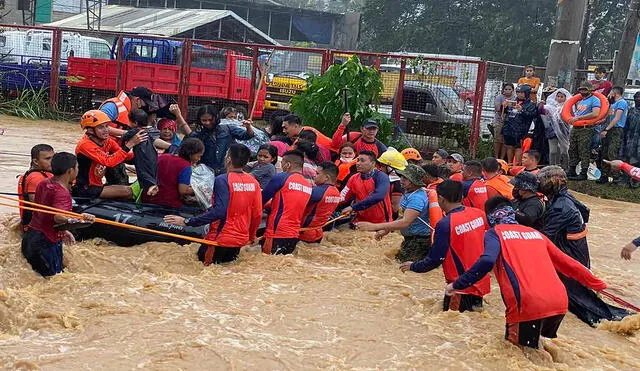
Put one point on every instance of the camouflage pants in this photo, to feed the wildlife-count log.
(414, 248)
(580, 147)
(610, 149)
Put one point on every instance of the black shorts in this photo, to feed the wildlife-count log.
(90, 192)
(279, 246)
(44, 256)
(528, 333)
(512, 141)
(462, 302)
(220, 254)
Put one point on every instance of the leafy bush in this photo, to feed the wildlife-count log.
(322, 105)
(31, 104)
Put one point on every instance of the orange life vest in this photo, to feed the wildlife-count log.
(123, 103)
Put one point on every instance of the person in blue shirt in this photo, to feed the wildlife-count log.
(216, 138)
(580, 138)
(612, 134)
(419, 214)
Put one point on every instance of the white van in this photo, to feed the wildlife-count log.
(34, 47)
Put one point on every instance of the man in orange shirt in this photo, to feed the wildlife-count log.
(531, 80)
(496, 183)
(40, 169)
(455, 163)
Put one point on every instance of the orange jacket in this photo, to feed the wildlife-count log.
(123, 103)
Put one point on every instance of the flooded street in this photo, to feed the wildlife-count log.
(339, 305)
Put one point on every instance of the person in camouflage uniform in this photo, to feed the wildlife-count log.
(580, 137)
(419, 214)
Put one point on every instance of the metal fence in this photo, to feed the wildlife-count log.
(433, 100)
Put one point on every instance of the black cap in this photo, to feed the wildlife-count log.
(370, 123)
(146, 95)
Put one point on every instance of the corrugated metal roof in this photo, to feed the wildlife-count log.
(154, 21)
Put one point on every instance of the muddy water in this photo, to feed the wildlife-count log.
(340, 305)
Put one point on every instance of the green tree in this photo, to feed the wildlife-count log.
(321, 105)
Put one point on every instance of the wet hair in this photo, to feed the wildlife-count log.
(432, 170)
(330, 169)
(495, 202)
(61, 162)
(226, 111)
(350, 145)
(506, 85)
(139, 117)
(444, 171)
(273, 151)
(534, 153)
(490, 165)
(295, 157)
(475, 167)
(292, 119)
(308, 135)
(529, 66)
(636, 95)
(372, 156)
(207, 109)
(35, 150)
(600, 70)
(619, 89)
(190, 147)
(450, 190)
(310, 150)
(275, 122)
(239, 155)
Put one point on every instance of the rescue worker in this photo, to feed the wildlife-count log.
(432, 176)
(370, 191)
(474, 189)
(419, 214)
(235, 214)
(324, 200)
(389, 163)
(439, 157)
(457, 244)
(497, 184)
(292, 126)
(96, 152)
(118, 109)
(581, 134)
(412, 155)
(39, 170)
(528, 203)
(527, 265)
(42, 242)
(530, 161)
(288, 192)
(455, 163)
(634, 173)
(564, 223)
(365, 140)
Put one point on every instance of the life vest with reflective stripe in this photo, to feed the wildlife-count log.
(123, 103)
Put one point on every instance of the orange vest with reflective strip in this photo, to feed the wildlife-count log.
(123, 103)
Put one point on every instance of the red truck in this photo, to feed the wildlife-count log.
(220, 77)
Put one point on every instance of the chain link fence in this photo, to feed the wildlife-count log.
(434, 100)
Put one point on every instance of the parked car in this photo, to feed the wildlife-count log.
(467, 95)
(427, 109)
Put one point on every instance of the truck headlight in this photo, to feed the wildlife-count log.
(269, 78)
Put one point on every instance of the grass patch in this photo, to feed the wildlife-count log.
(607, 191)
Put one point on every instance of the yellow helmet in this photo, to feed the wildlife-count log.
(411, 154)
(391, 157)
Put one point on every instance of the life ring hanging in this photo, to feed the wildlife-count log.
(566, 113)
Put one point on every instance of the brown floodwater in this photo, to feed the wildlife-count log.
(342, 304)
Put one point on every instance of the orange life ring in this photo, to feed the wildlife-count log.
(566, 113)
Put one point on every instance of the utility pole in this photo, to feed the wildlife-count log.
(627, 44)
(565, 44)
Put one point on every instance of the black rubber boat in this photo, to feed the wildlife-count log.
(141, 215)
